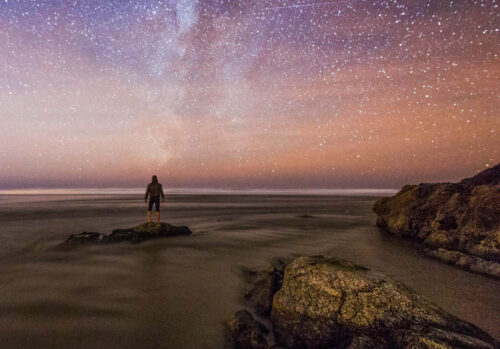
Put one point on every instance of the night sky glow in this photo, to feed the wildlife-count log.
(267, 94)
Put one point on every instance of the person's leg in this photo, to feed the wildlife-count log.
(157, 206)
(150, 208)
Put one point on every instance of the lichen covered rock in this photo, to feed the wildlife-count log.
(465, 261)
(459, 217)
(136, 234)
(326, 303)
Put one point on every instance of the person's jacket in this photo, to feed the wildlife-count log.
(154, 189)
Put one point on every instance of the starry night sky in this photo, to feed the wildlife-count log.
(267, 94)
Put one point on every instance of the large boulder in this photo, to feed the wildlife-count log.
(452, 220)
(324, 302)
(327, 303)
(136, 234)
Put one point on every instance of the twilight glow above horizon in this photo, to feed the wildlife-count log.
(248, 93)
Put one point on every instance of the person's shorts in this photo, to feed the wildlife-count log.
(156, 201)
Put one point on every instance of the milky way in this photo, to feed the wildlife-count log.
(247, 93)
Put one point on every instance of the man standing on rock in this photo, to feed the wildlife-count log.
(154, 191)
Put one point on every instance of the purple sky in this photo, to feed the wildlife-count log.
(242, 94)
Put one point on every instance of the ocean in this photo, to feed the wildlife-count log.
(178, 292)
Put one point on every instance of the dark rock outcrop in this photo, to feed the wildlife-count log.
(325, 302)
(458, 223)
(136, 234)
(264, 285)
(244, 332)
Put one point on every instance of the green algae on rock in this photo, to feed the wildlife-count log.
(453, 220)
(136, 234)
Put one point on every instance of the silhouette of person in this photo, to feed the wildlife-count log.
(154, 191)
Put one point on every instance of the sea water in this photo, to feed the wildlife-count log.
(178, 292)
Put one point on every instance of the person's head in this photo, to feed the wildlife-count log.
(155, 179)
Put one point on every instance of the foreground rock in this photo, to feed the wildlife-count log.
(136, 234)
(324, 302)
(265, 284)
(244, 332)
(458, 223)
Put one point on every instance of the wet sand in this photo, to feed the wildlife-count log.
(177, 292)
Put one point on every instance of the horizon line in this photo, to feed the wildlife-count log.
(208, 190)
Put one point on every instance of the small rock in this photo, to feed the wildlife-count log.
(84, 237)
(465, 261)
(265, 285)
(136, 234)
(244, 332)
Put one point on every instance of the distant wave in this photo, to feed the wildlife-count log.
(193, 191)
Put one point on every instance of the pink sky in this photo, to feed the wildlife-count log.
(376, 97)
